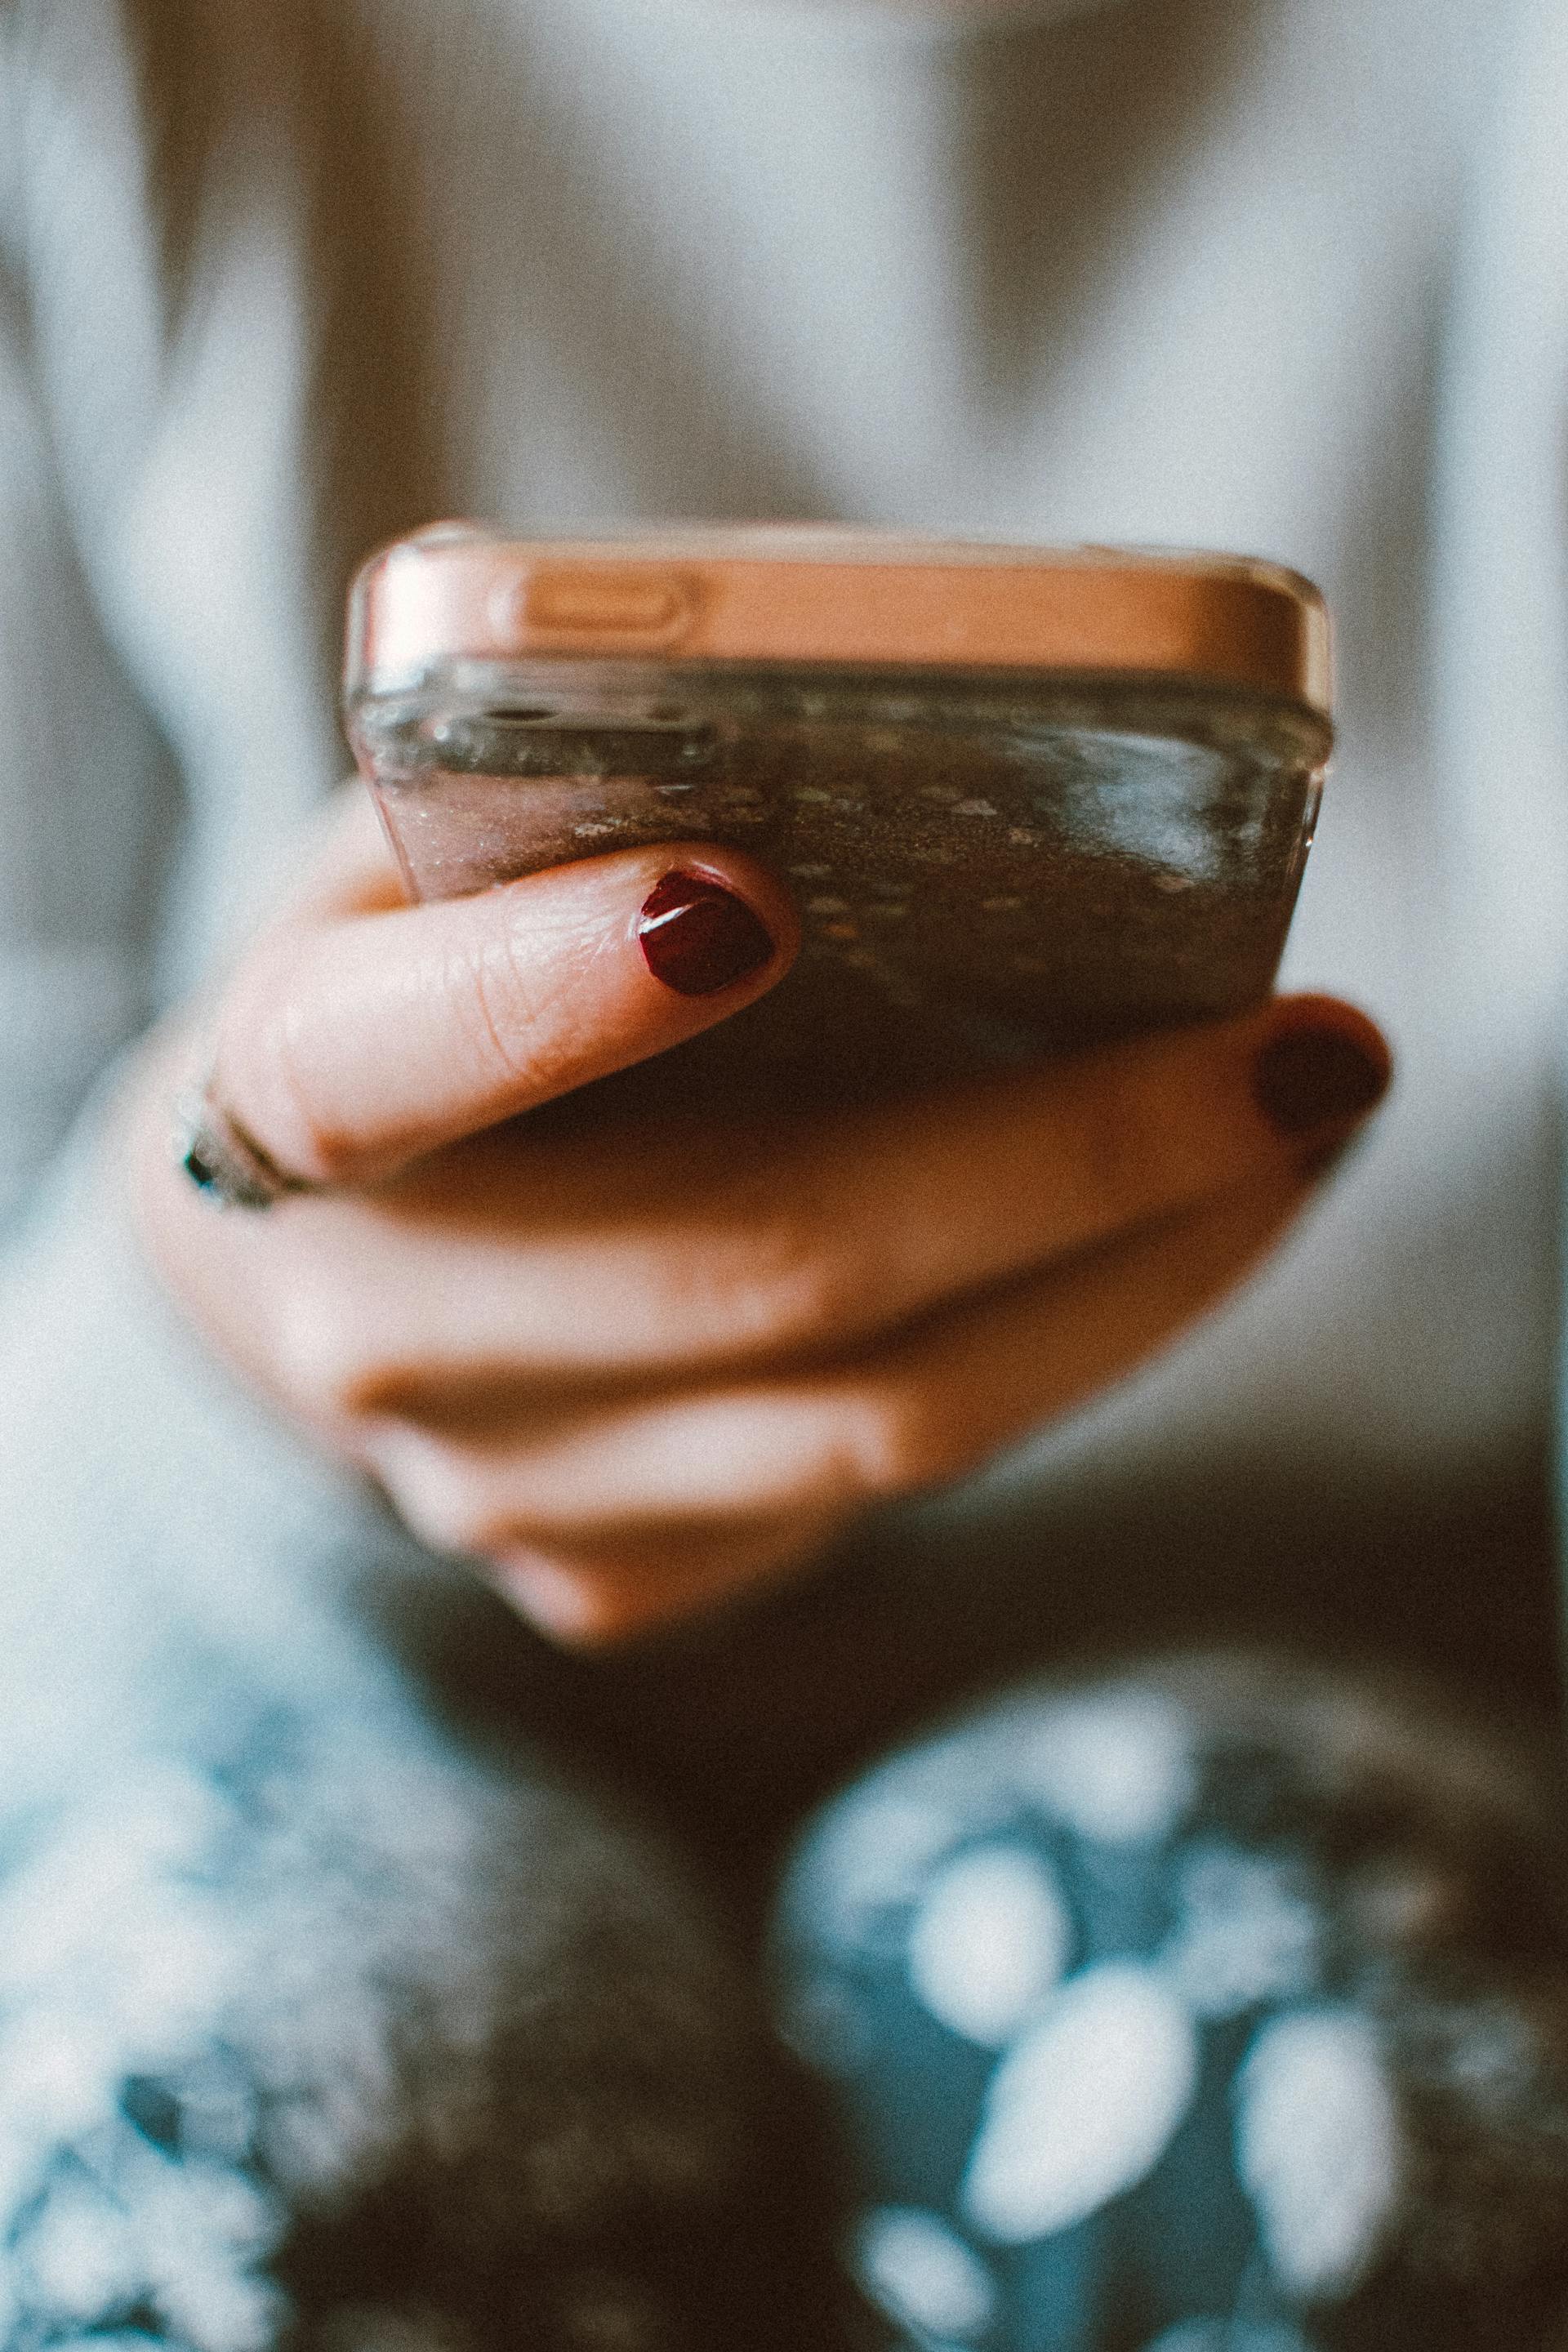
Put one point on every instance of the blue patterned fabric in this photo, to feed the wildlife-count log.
(1155, 2022)
(1216, 2007)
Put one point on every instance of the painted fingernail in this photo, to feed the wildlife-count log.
(1311, 1078)
(698, 938)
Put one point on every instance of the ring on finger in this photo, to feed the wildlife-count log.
(223, 1161)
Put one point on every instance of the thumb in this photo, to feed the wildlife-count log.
(349, 1042)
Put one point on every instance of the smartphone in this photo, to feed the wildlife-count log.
(1028, 799)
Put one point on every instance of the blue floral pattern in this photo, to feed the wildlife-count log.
(1119, 1987)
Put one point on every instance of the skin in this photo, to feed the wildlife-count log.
(630, 1384)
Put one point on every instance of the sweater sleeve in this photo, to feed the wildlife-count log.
(151, 1518)
(87, 804)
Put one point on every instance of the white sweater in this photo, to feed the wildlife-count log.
(1288, 278)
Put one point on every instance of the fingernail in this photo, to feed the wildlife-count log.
(1309, 1078)
(697, 936)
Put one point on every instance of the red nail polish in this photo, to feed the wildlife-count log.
(1309, 1078)
(698, 938)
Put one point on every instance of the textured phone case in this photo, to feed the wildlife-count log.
(988, 864)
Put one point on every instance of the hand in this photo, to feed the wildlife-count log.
(630, 1380)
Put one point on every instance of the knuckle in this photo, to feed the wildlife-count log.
(320, 1355)
(502, 1015)
(312, 1150)
(900, 1442)
(521, 1027)
(281, 1102)
(439, 1496)
(786, 1282)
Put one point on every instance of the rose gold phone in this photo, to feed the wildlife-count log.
(1027, 798)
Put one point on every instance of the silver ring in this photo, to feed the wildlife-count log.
(226, 1163)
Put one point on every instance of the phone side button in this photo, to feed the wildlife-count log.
(652, 606)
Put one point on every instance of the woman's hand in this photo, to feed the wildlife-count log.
(633, 1373)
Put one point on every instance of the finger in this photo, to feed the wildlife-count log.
(613, 1586)
(891, 1421)
(350, 1043)
(568, 1266)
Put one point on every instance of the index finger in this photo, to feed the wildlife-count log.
(359, 1034)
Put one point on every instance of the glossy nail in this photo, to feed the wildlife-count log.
(698, 938)
(1308, 1078)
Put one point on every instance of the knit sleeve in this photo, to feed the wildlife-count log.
(87, 799)
(152, 1516)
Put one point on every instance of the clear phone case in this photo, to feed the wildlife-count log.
(990, 861)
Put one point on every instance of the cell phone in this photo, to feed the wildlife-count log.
(1028, 799)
